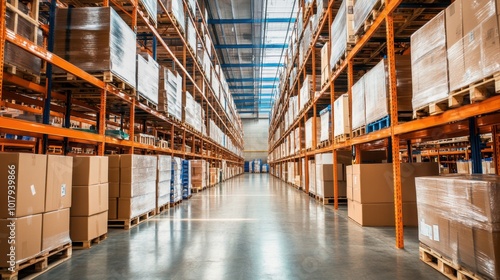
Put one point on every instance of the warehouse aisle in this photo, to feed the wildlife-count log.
(251, 227)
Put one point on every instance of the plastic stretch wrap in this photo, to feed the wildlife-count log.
(376, 94)
(309, 131)
(151, 8)
(191, 34)
(325, 63)
(325, 125)
(358, 104)
(170, 93)
(362, 9)
(312, 177)
(96, 39)
(429, 63)
(138, 161)
(164, 163)
(403, 83)
(136, 206)
(342, 32)
(341, 119)
(18, 57)
(459, 216)
(176, 7)
(147, 77)
(305, 92)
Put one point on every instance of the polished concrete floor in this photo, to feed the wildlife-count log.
(250, 227)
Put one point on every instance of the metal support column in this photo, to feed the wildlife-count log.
(409, 151)
(131, 131)
(475, 146)
(3, 30)
(496, 148)
(48, 94)
(102, 123)
(393, 99)
(67, 120)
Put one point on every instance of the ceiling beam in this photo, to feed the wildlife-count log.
(251, 46)
(251, 65)
(249, 80)
(250, 20)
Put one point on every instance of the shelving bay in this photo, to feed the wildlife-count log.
(386, 34)
(83, 100)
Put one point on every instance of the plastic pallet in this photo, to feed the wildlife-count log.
(379, 124)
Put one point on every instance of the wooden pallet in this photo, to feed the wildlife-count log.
(324, 144)
(475, 92)
(21, 72)
(444, 265)
(147, 102)
(39, 264)
(434, 108)
(130, 223)
(196, 190)
(358, 131)
(162, 208)
(331, 200)
(370, 19)
(79, 245)
(341, 138)
(177, 203)
(149, 17)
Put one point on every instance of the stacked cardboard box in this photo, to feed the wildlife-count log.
(312, 177)
(176, 186)
(176, 8)
(214, 176)
(358, 104)
(89, 209)
(310, 133)
(170, 93)
(191, 34)
(325, 63)
(21, 215)
(326, 119)
(428, 63)
(370, 192)
(341, 109)
(147, 77)
(362, 10)
(324, 176)
(459, 217)
(164, 180)
(111, 47)
(342, 32)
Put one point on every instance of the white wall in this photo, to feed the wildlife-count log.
(256, 132)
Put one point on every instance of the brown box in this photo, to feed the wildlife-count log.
(27, 178)
(137, 189)
(114, 175)
(381, 214)
(325, 172)
(55, 229)
(114, 189)
(329, 192)
(472, 55)
(113, 208)
(454, 26)
(59, 182)
(90, 170)
(490, 46)
(487, 252)
(474, 12)
(28, 239)
(114, 161)
(434, 230)
(88, 228)
(136, 206)
(89, 200)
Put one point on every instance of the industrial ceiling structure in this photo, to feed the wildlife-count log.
(250, 37)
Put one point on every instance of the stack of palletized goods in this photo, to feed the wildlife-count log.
(176, 186)
(176, 8)
(325, 116)
(459, 217)
(310, 132)
(362, 11)
(191, 34)
(111, 47)
(341, 120)
(198, 174)
(193, 112)
(147, 77)
(89, 209)
(164, 181)
(170, 93)
(324, 176)
(186, 178)
(325, 63)
(214, 176)
(342, 32)
(151, 8)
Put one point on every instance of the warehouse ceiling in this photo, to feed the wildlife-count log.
(250, 38)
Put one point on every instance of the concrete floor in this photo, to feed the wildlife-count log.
(251, 227)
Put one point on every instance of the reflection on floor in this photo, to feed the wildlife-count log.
(253, 226)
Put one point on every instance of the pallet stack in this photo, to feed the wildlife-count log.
(176, 183)
(342, 33)
(186, 179)
(325, 179)
(164, 181)
(341, 130)
(89, 210)
(198, 174)
(148, 77)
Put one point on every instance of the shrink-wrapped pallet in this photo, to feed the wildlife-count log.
(341, 119)
(376, 95)
(459, 217)
(358, 104)
(429, 63)
(191, 34)
(325, 63)
(97, 40)
(305, 92)
(362, 10)
(176, 8)
(310, 133)
(342, 32)
(325, 116)
(147, 77)
(164, 178)
(151, 8)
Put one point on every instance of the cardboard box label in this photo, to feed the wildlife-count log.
(63, 190)
(435, 229)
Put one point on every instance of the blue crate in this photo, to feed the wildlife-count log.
(326, 110)
(379, 124)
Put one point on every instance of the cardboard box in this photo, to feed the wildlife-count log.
(349, 185)
(114, 189)
(59, 182)
(27, 178)
(114, 175)
(328, 190)
(490, 46)
(88, 228)
(325, 172)
(454, 26)
(486, 252)
(137, 174)
(114, 161)
(90, 170)
(28, 239)
(472, 55)
(113, 208)
(380, 214)
(89, 200)
(137, 189)
(136, 206)
(434, 230)
(55, 229)
(474, 12)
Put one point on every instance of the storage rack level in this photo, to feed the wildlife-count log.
(387, 32)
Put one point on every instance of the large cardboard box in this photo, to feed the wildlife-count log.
(454, 26)
(380, 214)
(55, 229)
(328, 190)
(88, 228)
(325, 172)
(25, 174)
(490, 46)
(59, 182)
(136, 206)
(474, 12)
(113, 208)
(472, 55)
(434, 230)
(90, 170)
(28, 239)
(89, 200)
(114, 189)
(137, 189)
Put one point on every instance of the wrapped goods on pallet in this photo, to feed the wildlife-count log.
(192, 6)
(176, 183)
(310, 133)
(214, 176)
(137, 185)
(429, 63)
(164, 177)
(473, 42)
(376, 95)
(176, 9)
(358, 104)
(312, 177)
(151, 8)
(341, 120)
(325, 63)
(17, 57)
(192, 112)
(186, 178)
(362, 11)
(321, 6)
(111, 47)
(459, 217)
(325, 116)
(305, 92)
(198, 174)
(170, 93)
(191, 34)
(147, 77)
(370, 192)
(342, 32)
(464, 167)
